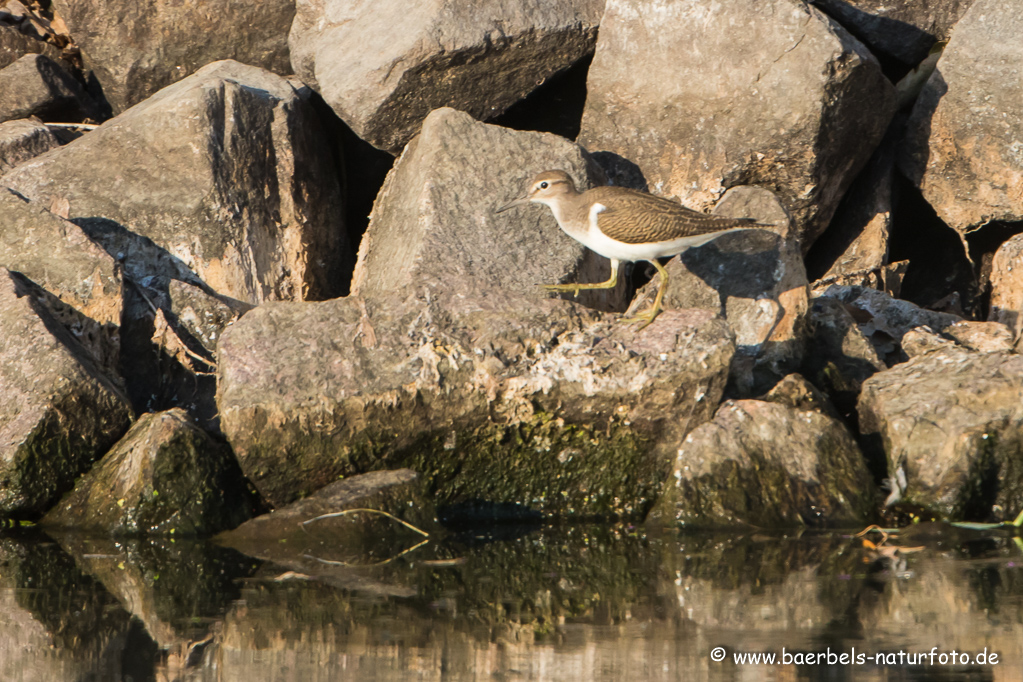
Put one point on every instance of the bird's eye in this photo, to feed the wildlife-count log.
(544, 185)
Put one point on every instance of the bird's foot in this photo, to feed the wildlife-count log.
(574, 288)
(644, 318)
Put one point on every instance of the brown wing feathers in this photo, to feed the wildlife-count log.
(637, 217)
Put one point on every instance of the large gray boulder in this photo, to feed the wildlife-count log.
(383, 66)
(488, 396)
(701, 97)
(962, 144)
(59, 413)
(225, 171)
(949, 422)
(136, 48)
(14, 45)
(434, 227)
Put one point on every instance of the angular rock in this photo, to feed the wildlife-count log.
(23, 139)
(165, 477)
(768, 465)
(60, 412)
(884, 320)
(433, 225)
(840, 358)
(853, 251)
(903, 30)
(382, 67)
(754, 279)
(796, 392)
(949, 423)
(234, 184)
(1007, 285)
(82, 280)
(982, 337)
(37, 86)
(14, 45)
(136, 48)
(318, 526)
(961, 146)
(774, 94)
(488, 397)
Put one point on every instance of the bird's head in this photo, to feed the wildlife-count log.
(543, 189)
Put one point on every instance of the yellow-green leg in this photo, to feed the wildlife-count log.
(611, 283)
(648, 315)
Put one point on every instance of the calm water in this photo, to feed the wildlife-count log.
(569, 603)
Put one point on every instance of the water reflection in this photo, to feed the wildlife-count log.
(578, 602)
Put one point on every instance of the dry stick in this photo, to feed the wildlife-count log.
(368, 511)
(379, 563)
(87, 126)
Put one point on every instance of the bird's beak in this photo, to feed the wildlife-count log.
(518, 202)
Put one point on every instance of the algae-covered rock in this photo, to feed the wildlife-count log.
(59, 411)
(489, 397)
(768, 465)
(166, 476)
(949, 423)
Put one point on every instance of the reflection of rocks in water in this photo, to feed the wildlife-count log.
(175, 588)
(56, 623)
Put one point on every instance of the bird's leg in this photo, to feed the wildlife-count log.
(648, 315)
(611, 283)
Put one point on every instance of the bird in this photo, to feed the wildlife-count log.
(624, 224)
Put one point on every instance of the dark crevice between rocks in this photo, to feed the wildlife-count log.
(554, 107)
(940, 275)
(984, 243)
(361, 169)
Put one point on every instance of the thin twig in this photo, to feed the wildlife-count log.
(369, 511)
(87, 126)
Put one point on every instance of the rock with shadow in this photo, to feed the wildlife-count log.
(769, 463)
(225, 171)
(382, 67)
(773, 94)
(36, 85)
(962, 141)
(60, 412)
(948, 424)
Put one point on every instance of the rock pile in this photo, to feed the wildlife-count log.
(178, 237)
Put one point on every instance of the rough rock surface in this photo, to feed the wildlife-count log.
(950, 420)
(754, 279)
(903, 30)
(765, 464)
(23, 139)
(316, 526)
(165, 477)
(224, 171)
(1007, 285)
(14, 45)
(842, 357)
(962, 144)
(59, 411)
(772, 93)
(434, 223)
(383, 67)
(508, 400)
(136, 48)
(37, 86)
(82, 279)
(884, 320)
